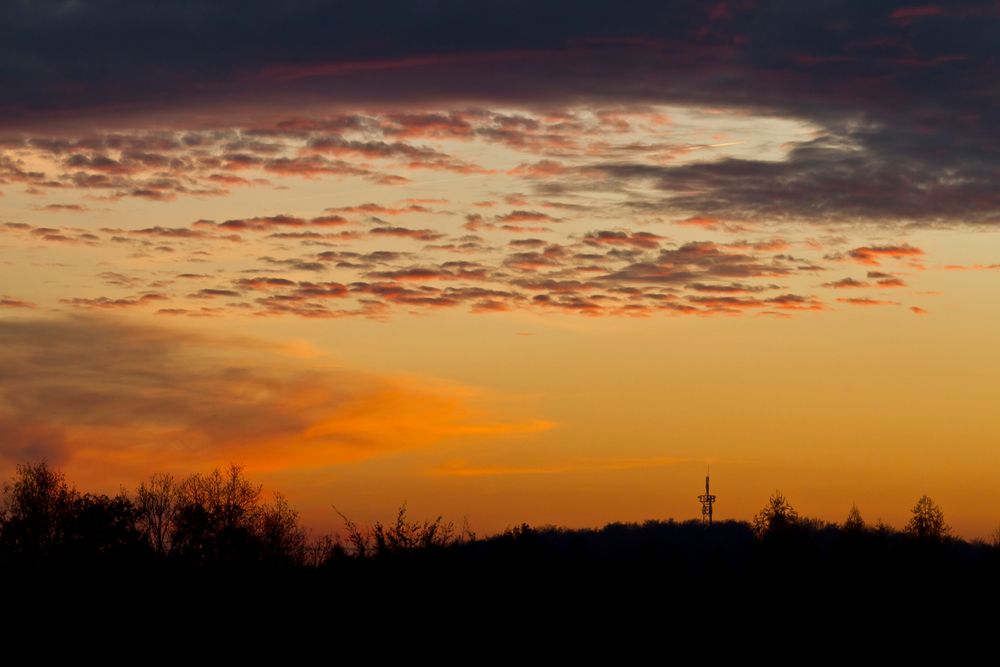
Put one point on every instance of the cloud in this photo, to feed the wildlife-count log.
(113, 303)
(295, 264)
(105, 395)
(636, 239)
(846, 283)
(519, 216)
(972, 267)
(902, 94)
(260, 224)
(866, 301)
(916, 11)
(704, 222)
(446, 271)
(540, 169)
(264, 283)
(730, 288)
(883, 280)
(735, 303)
(379, 209)
(873, 254)
(118, 279)
(11, 302)
(56, 208)
(211, 293)
(698, 261)
(404, 232)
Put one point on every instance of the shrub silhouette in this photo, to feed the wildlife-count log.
(400, 537)
(927, 522)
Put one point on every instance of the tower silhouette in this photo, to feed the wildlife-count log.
(706, 501)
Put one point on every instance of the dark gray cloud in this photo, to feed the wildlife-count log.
(818, 59)
(698, 261)
(907, 99)
(880, 173)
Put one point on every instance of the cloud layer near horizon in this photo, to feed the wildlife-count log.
(103, 394)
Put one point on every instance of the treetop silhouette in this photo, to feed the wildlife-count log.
(854, 523)
(776, 516)
(927, 522)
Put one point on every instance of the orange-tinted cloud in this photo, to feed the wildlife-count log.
(972, 267)
(873, 253)
(782, 302)
(702, 221)
(379, 209)
(540, 169)
(11, 302)
(866, 301)
(101, 394)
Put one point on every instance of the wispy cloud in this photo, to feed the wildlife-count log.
(94, 391)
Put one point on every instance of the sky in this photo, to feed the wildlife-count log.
(543, 262)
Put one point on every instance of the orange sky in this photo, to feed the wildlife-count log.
(479, 343)
(511, 262)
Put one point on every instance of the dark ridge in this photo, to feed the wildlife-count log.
(213, 534)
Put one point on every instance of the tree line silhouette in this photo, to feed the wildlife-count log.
(221, 524)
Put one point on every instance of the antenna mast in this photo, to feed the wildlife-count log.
(706, 501)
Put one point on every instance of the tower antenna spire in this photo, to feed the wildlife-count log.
(707, 500)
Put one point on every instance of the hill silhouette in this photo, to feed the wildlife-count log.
(217, 532)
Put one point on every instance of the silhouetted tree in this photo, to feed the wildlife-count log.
(37, 505)
(156, 506)
(281, 537)
(854, 523)
(326, 551)
(777, 516)
(45, 519)
(882, 528)
(927, 522)
(219, 518)
(994, 539)
(104, 527)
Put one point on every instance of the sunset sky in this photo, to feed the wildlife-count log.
(512, 262)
